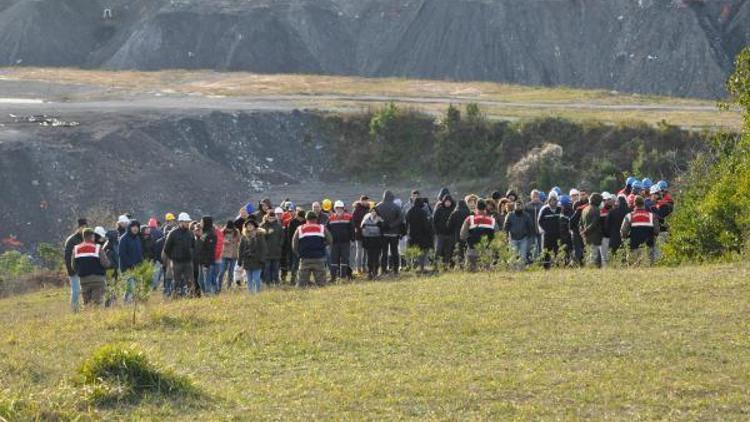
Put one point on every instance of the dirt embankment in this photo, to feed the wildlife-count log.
(149, 162)
(672, 47)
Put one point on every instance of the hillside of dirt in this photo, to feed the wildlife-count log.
(672, 47)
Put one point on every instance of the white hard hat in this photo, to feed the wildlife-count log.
(100, 231)
(655, 189)
(278, 210)
(552, 194)
(338, 204)
(184, 217)
(607, 196)
(123, 219)
(574, 191)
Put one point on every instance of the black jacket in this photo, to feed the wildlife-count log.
(457, 218)
(180, 245)
(441, 216)
(613, 222)
(71, 243)
(391, 214)
(418, 226)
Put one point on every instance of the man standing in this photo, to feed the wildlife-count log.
(476, 228)
(549, 226)
(519, 229)
(179, 248)
(75, 281)
(592, 229)
(443, 237)
(532, 209)
(309, 242)
(641, 227)
(342, 232)
(130, 251)
(392, 226)
(90, 264)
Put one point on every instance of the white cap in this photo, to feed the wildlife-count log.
(123, 219)
(552, 194)
(184, 217)
(339, 204)
(655, 189)
(574, 191)
(278, 210)
(100, 231)
(607, 196)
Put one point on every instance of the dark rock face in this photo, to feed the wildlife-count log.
(673, 47)
(149, 162)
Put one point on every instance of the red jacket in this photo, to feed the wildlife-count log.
(219, 249)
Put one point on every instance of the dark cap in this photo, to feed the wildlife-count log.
(82, 222)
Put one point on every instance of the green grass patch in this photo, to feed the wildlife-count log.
(625, 344)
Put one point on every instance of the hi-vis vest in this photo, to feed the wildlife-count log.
(312, 241)
(86, 256)
(480, 226)
(641, 228)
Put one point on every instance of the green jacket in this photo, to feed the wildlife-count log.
(274, 239)
(590, 226)
(252, 254)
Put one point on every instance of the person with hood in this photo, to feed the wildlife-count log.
(179, 251)
(549, 227)
(519, 229)
(264, 206)
(512, 196)
(641, 227)
(372, 241)
(229, 254)
(130, 252)
(392, 226)
(592, 230)
(455, 222)
(75, 281)
(274, 236)
(419, 230)
(475, 228)
(298, 221)
(444, 241)
(90, 264)
(341, 227)
(252, 254)
(310, 242)
(113, 238)
(361, 209)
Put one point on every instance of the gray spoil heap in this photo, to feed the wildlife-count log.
(671, 47)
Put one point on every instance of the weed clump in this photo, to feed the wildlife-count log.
(115, 374)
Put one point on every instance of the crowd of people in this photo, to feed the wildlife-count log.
(270, 245)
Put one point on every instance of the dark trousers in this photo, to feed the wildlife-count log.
(390, 244)
(340, 260)
(373, 260)
(444, 245)
(550, 248)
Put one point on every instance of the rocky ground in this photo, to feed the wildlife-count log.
(673, 47)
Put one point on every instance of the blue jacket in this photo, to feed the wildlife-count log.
(130, 251)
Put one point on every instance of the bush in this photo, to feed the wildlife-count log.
(712, 221)
(116, 374)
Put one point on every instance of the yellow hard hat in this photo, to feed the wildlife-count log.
(327, 205)
(169, 217)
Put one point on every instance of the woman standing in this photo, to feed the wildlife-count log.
(252, 254)
(229, 254)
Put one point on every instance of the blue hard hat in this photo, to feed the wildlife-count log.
(249, 207)
(630, 180)
(663, 185)
(647, 183)
(636, 185)
(557, 190)
(542, 196)
(565, 200)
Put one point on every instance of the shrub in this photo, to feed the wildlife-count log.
(116, 374)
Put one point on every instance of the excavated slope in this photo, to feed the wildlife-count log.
(672, 47)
